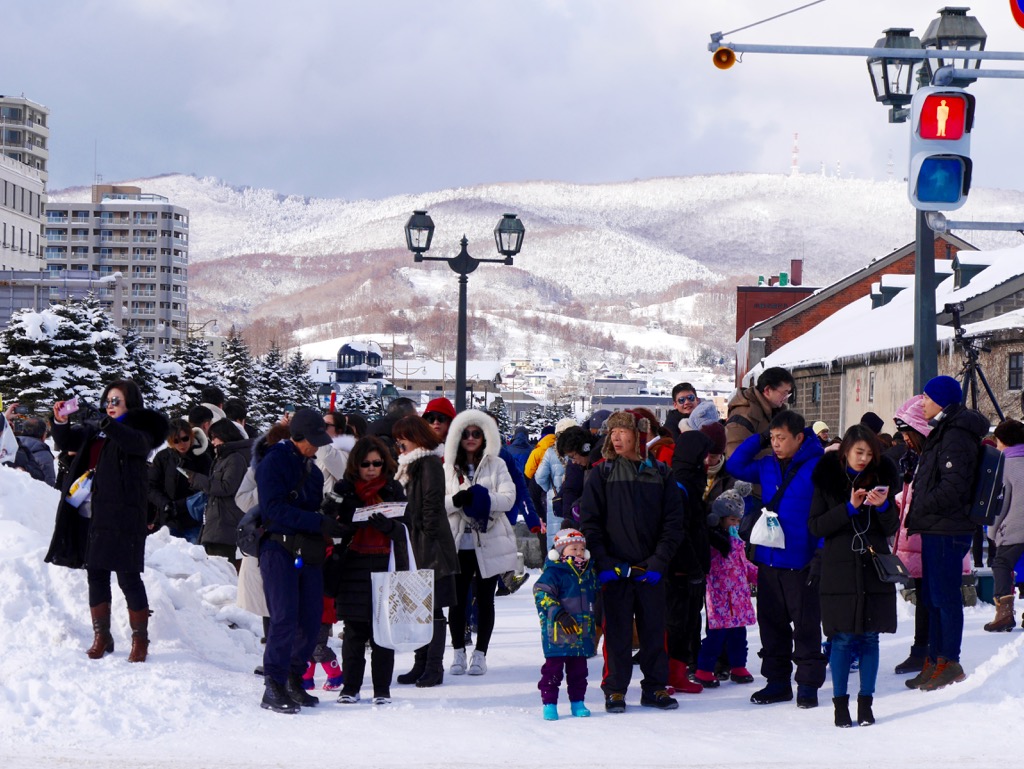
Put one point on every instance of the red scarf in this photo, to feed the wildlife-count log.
(367, 539)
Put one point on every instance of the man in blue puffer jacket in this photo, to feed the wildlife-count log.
(788, 608)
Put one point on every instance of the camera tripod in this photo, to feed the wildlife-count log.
(972, 372)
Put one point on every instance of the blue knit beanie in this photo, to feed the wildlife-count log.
(943, 390)
(548, 430)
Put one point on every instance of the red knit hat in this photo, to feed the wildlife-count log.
(440, 406)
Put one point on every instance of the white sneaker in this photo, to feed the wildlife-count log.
(477, 664)
(348, 699)
(458, 666)
(381, 701)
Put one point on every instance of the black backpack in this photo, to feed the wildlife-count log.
(251, 531)
(987, 493)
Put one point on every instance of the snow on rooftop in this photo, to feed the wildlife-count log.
(1003, 265)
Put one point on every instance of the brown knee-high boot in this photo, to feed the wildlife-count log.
(139, 621)
(102, 641)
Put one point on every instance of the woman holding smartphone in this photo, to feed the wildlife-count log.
(101, 518)
(852, 510)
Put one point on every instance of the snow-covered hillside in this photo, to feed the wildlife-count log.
(195, 702)
(258, 254)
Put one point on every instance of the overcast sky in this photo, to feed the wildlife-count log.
(367, 99)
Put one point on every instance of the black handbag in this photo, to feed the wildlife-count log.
(889, 567)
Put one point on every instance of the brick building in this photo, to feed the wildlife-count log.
(764, 338)
(861, 358)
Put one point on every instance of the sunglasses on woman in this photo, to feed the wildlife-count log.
(115, 401)
(474, 434)
(434, 418)
(374, 463)
(183, 439)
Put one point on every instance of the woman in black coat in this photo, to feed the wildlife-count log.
(232, 450)
(369, 480)
(421, 472)
(105, 532)
(853, 511)
(168, 488)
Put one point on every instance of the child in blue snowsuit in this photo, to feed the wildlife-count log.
(565, 596)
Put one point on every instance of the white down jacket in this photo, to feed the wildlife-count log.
(496, 547)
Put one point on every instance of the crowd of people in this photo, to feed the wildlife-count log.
(660, 536)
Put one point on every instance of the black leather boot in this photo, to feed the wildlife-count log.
(297, 694)
(842, 706)
(418, 666)
(433, 672)
(864, 715)
(275, 698)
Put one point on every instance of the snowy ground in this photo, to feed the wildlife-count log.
(195, 702)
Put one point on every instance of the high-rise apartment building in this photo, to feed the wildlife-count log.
(143, 237)
(24, 141)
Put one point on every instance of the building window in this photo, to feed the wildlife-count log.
(816, 392)
(871, 387)
(1015, 367)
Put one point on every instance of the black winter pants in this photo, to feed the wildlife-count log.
(624, 600)
(353, 660)
(483, 590)
(789, 618)
(682, 621)
(131, 585)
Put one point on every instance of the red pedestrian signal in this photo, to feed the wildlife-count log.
(940, 148)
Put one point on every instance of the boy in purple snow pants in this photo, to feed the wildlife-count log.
(565, 595)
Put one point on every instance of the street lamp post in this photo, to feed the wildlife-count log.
(893, 78)
(508, 237)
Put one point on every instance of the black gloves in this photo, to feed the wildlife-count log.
(766, 439)
(342, 507)
(567, 623)
(383, 524)
(89, 414)
(332, 529)
(462, 498)
(695, 587)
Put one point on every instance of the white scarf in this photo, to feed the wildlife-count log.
(406, 459)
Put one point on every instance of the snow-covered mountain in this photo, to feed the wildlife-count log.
(255, 253)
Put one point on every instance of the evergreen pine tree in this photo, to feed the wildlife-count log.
(106, 339)
(197, 370)
(25, 352)
(170, 396)
(301, 384)
(361, 400)
(500, 410)
(237, 368)
(139, 366)
(74, 364)
(271, 390)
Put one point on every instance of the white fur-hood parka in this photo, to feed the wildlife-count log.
(495, 545)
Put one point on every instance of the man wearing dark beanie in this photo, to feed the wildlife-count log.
(873, 422)
(939, 513)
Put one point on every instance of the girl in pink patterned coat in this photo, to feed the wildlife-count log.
(729, 608)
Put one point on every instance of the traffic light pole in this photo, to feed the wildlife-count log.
(926, 348)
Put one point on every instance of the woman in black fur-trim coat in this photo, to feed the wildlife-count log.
(853, 513)
(106, 533)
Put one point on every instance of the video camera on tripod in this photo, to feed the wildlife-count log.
(972, 347)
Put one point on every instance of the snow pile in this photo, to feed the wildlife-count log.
(195, 702)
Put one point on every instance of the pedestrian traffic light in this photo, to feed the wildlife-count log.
(940, 148)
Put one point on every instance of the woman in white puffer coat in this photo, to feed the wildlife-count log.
(478, 493)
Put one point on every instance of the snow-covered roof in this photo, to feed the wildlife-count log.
(859, 330)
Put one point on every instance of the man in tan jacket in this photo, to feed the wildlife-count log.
(751, 409)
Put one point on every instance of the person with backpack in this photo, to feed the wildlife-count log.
(632, 517)
(1008, 528)
(939, 512)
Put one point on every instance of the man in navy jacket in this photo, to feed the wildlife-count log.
(788, 607)
(290, 488)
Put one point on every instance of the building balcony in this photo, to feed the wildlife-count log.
(55, 238)
(114, 239)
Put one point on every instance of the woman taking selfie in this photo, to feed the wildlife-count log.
(478, 493)
(102, 527)
(853, 511)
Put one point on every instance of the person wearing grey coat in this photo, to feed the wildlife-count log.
(1008, 529)
(220, 521)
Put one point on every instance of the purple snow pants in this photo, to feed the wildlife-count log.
(551, 678)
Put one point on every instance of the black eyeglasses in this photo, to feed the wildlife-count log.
(115, 401)
(442, 418)
(686, 398)
(477, 434)
(374, 463)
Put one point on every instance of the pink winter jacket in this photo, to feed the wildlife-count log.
(728, 594)
(908, 548)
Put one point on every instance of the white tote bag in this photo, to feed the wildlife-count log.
(768, 532)
(403, 604)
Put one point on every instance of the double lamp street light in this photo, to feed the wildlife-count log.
(508, 237)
